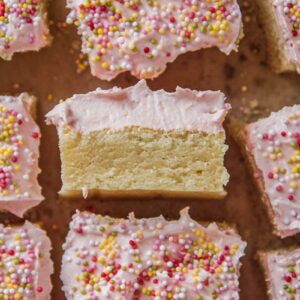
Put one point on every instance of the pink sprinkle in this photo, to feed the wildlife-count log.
(35, 135)
(79, 230)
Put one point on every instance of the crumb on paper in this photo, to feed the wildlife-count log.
(252, 109)
(61, 24)
(85, 192)
(247, 19)
(244, 88)
(16, 86)
(81, 63)
(50, 97)
(76, 45)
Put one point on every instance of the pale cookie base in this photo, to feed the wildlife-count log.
(137, 161)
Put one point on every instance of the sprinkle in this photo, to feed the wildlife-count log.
(35, 135)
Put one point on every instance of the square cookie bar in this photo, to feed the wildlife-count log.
(153, 259)
(272, 148)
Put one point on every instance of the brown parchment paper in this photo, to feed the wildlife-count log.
(251, 88)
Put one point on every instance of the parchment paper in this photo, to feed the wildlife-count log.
(251, 88)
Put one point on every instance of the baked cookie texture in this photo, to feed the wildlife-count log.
(26, 265)
(280, 19)
(19, 153)
(272, 149)
(282, 270)
(23, 26)
(143, 36)
(106, 258)
(138, 141)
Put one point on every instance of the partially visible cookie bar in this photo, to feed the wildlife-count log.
(280, 19)
(25, 263)
(19, 154)
(282, 271)
(23, 26)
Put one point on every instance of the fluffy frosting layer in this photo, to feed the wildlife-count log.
(139, 106)
(25, 263)
(23, 26)
(282, 269)
(288, 24)
(19, 152)
(149, 259)
(275, 144)
(143, 36)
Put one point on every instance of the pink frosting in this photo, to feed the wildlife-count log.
(25, 258)
(19, 189)
(22, 29)
(286, 18)
(118, 259)
(282, 270)
(142, 37)
(275, 144)
(139, 106)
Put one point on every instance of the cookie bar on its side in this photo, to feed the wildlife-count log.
(19, 153)
(272, 149)
(142, 142)
(106, 258)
